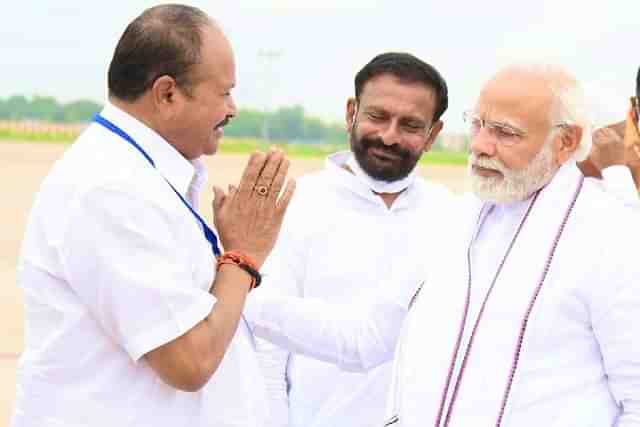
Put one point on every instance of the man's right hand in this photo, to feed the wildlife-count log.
(249, 217)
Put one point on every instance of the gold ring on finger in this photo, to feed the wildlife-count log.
(262, 190)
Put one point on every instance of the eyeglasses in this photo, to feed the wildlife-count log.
(503, 133)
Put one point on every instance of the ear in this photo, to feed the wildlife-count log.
(570, 138)
(433, 135)
(166, 96)
(350, 115)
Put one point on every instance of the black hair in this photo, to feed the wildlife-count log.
(409, 69)
(163, 40)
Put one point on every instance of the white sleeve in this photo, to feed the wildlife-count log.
(619, 182)
(120, 258)
(356, 338)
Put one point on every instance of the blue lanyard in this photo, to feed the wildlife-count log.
(208, 233)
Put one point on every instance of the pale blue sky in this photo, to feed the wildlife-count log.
(62, 48)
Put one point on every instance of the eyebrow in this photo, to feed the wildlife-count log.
(505, 122)
(402, 117)
(374, 108)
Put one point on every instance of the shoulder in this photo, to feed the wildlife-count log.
(313, 191)
(99, 165)
(432, 188)
(440, 202)
(614, 225)
(600, 204)
(315, 182)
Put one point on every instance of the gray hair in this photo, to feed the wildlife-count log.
(570, 107)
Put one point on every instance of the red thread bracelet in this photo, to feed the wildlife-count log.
(242, 261)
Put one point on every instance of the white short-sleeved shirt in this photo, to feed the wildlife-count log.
(113, 265)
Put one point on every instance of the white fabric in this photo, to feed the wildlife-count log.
(377, 185)
(354, 338)
(112, 266)
(580, 362)
(618, 181)
(342, 249)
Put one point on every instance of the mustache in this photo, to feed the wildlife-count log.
(369, 143)
(485, 162)
(224, 122)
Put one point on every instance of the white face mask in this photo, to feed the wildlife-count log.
(378, 186)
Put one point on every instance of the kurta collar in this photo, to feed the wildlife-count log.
(335, 164)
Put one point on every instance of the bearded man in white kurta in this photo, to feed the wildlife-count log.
(532, 317)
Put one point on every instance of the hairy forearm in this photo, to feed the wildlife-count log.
(230, 289)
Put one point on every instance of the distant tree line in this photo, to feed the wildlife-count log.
(289, 124)
(45, 108)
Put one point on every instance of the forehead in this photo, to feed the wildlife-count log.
(395, 96)
(217, 60)
(516, 98)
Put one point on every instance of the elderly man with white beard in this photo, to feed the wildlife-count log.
(526, 322)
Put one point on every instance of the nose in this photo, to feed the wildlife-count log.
(231, 105)
(391, 134)
(483, 143)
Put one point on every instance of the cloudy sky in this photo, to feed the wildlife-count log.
(307, 52)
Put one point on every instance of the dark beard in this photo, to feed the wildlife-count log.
(403, 162)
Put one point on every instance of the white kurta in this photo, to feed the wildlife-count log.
(618, 181)
(340, 247)
(113, 265)
(580, 359)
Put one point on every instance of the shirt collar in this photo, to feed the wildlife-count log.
(169, 162)
(335, 164)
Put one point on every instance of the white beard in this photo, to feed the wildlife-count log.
(514, 185)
